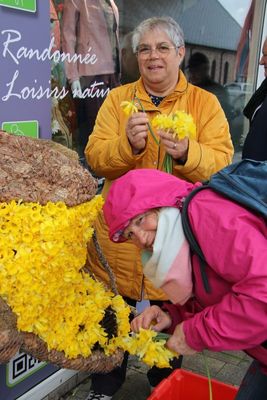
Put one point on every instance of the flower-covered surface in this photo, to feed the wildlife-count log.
(42, 253)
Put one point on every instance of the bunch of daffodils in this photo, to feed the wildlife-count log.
(150, 348)
(180, 125)
(42, 253)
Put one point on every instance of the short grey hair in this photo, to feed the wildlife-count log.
(167, 24)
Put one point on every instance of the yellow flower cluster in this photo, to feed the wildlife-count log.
(129, 107)
(179, 124)
(42, 253)
(150, 350)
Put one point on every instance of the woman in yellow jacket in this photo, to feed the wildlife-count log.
(120, 143)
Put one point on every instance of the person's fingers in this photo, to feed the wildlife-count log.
(145, 319)
(160, 325)
(162, 321)
(136, 132)
(165, 136)
(139, 322)
(135, 325)
(138, 129)
(137, 137)
(138, 119)
(168, 140)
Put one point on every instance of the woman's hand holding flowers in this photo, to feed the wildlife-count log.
(158, 320)
(175, 147)
(177, 342)
(136, 128)
(136, 131)
(175, 130)
(152, 317)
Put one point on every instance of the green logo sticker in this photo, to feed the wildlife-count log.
(22, 128)
(26, 5)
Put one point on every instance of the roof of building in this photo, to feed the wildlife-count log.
(204, 22)
(208, 23)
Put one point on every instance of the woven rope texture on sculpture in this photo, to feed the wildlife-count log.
(11, 341)
(36, 171)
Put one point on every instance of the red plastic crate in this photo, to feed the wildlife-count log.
(185, 385)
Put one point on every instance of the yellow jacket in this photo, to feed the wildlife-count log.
(109, 154)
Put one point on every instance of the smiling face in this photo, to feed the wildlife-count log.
(142, 229)
(159, 71)
(263, 60)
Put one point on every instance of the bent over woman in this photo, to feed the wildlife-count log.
(143, 206)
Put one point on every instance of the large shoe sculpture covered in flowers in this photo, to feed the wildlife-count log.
(50, 306)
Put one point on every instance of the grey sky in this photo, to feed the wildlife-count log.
(237, 8)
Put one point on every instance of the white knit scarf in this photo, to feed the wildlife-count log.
(169, 265)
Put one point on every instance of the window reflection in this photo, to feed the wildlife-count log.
(105, 27)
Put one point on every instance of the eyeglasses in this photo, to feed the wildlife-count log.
(135, 222)
(163, 49)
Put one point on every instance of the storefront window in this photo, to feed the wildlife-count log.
(219, 56)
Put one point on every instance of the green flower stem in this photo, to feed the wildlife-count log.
(162, 336)
(148, 124)
(152, 133)
(208, 376)
(167, 163)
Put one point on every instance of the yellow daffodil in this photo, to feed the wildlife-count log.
(42, 253)
(180, 125)
(129, 107)
(183, 125)
(149, 350)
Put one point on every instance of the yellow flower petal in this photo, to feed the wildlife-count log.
(179, 124)
(129, 107)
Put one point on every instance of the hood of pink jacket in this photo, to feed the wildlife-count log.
(138, 191)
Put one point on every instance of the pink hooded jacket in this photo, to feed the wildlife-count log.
(234, 242)
(134, 193)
